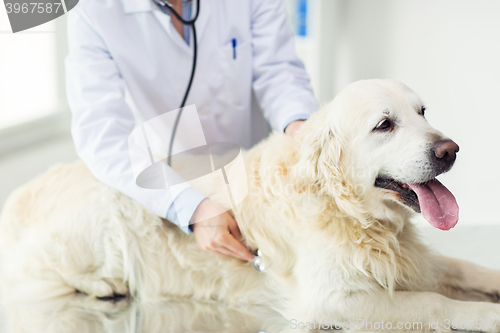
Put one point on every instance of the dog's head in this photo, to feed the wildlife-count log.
(373, 146)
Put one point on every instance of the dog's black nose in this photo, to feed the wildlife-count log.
(445, 152)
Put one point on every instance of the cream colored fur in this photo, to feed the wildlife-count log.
(340, 248)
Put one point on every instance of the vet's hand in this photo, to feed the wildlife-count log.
(293, 127)
(219, 234)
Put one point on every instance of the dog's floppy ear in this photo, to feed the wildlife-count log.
(320, 153)
(323, 164)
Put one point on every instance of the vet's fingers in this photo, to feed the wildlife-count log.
(213, 247)
(227, 252)
(233, 228)
(222, 251)
(237, 248)
(222, 254)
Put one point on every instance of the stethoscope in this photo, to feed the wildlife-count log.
(257, 262)
(191, 22)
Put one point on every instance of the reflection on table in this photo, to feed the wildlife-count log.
(79, 314)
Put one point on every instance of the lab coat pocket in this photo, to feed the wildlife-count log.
(236, 72)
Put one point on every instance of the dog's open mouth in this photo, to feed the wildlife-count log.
(436, 203)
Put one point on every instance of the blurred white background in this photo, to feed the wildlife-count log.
(28, 86)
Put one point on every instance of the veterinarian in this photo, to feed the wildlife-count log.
(130, 61)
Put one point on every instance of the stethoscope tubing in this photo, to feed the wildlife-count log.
(193, 68)
(177, 16)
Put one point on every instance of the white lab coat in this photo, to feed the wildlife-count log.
(121, 47)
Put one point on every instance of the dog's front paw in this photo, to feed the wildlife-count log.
(102, 289)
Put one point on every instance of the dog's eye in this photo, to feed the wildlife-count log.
(422, 111)
(384, 125)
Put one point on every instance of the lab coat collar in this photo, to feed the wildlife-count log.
(136, 6)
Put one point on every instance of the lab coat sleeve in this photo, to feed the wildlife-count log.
(280, 83)
(102, 121)
(184, 207)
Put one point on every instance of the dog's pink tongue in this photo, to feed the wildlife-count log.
(437, 204)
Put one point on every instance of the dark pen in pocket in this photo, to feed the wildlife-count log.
(234, 48)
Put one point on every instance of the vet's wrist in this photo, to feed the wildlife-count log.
(293, 127)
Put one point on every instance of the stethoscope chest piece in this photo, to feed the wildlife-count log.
(258, 263)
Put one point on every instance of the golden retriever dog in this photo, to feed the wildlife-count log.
(330, 210)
